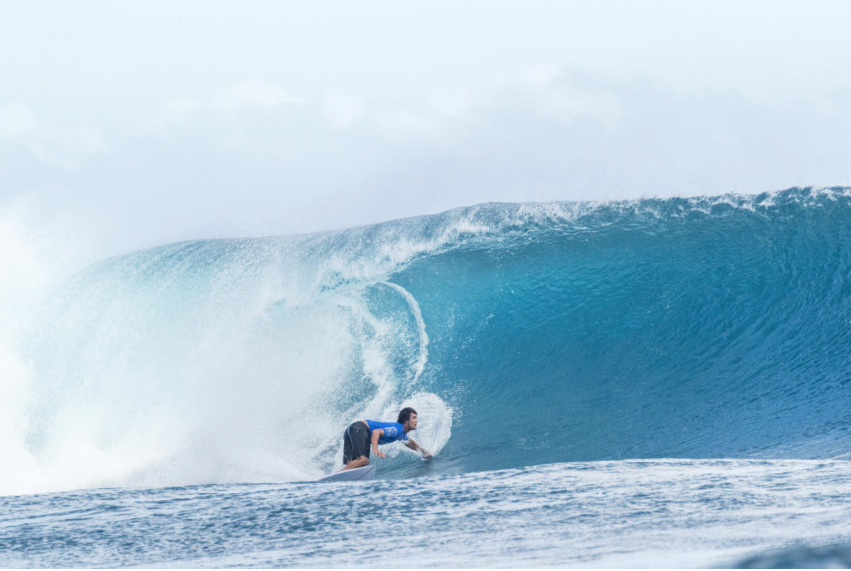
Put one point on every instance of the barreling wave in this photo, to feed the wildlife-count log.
(529, 333)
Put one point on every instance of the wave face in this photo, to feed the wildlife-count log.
(531, 333)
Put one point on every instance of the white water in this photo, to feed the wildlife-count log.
(37, 251)
(194, 364)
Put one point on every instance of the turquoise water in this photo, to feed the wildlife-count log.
(531, 338)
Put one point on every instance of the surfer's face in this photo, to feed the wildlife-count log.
(411, 424)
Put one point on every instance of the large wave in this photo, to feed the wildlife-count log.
(530, 333)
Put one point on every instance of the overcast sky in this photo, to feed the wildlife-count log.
(156, 121)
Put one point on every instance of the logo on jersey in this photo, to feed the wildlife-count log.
(391, 431)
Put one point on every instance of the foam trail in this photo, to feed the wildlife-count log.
(422, 356)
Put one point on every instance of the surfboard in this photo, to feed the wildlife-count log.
(357, 474)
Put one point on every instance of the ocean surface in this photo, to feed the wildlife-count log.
(656, 382)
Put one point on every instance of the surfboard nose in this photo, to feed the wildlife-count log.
(356, 474)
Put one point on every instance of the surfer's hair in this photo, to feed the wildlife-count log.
(405, 414)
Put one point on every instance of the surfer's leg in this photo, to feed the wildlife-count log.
(357, 463)
(356, 446)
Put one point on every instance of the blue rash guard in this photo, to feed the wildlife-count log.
(393, 431)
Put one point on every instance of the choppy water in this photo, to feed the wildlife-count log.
(633, 513)
(546, 347)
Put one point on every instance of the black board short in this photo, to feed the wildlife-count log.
(355, 442)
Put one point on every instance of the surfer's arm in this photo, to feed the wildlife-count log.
(412, 444)
(376, 434)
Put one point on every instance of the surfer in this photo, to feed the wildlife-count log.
(363, 433)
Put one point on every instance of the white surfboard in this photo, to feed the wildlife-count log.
(356, 474)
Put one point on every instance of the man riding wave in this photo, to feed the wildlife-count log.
(363, 434)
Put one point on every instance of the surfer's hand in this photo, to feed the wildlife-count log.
(427, 455)
(380, 454)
